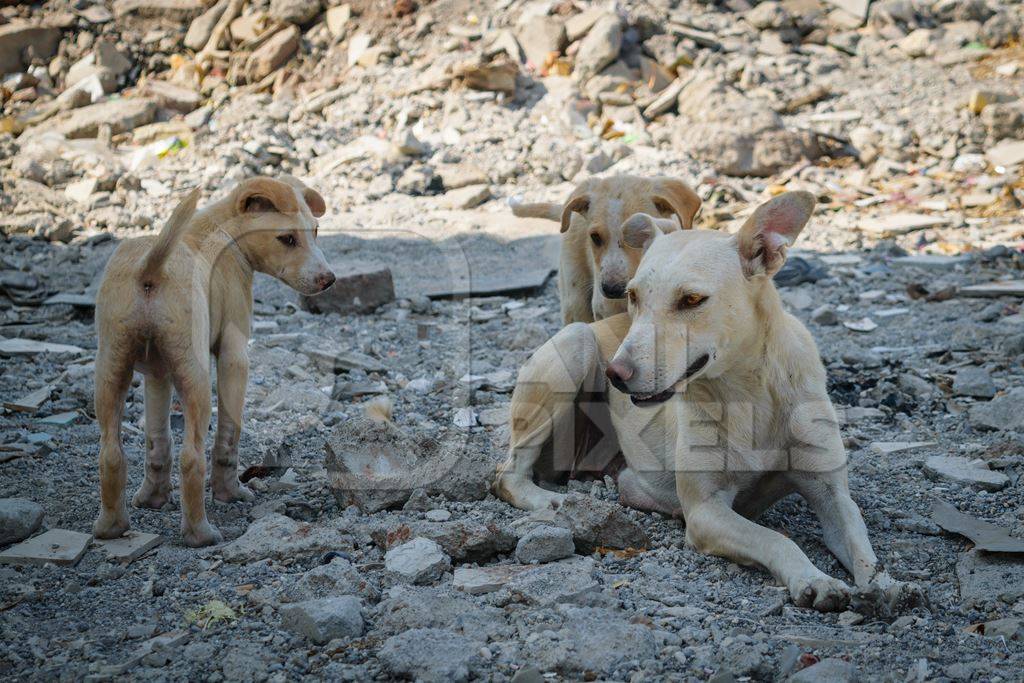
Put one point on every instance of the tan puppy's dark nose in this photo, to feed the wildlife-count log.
(618, 373)
(325, 280)
(613, 290)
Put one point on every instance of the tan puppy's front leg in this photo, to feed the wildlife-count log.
(155, 490)
(713, 527)
(542, 411)
(113, 377)
(232, 378)
(196, 530)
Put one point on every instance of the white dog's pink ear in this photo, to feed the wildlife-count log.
(773, 227)
(260, 195)
(640, 229)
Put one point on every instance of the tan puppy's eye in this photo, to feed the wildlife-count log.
(596, 239)
(287, 240)
(688, 301)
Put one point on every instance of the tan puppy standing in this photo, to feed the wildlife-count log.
(720, 409)
(165, 304)
(594, 263)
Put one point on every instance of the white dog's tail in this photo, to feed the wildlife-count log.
(168, 238)
(548, 210)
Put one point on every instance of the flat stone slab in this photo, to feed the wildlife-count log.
(1006, 153)
(130, 547)
(483, 580)
(30, 347)
(58, 546)
(901, 223)
(514, 283)
(984, 535)
(961, 471)
(930, 261)
(890, 447)
(985, 577)
(993, 289)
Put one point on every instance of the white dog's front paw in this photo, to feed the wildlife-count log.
(820, 591)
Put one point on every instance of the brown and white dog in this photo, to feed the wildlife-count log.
(719, 403)
(594, 263)
(165, 304)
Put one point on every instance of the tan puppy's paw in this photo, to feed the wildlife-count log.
(151, 497)
(233, 494)
(202, 534)
(109, 525)
(821, 592)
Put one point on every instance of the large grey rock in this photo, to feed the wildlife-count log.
(324, 619)
(1001, 413)
(463, 540)
(961, 471)
(19, 519)
(829, 670)
(599, 48)
(336, 578)
(354, 291)
(975, 382)
(592, 640)
(16, 37)
(377, 465)
(597, 523)
(545, 544)
(275, 536)
(737, 135)
(419, 561)
(408, 607)
(429, 655)
(568, 581)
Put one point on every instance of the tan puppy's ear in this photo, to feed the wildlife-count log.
(640, 229)
(578, 204)
(317, 205)
(673, 196)
(775, 225)
(261, 195)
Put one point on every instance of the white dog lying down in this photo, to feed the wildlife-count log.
(720, 409)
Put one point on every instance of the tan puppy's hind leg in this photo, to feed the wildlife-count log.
(232, 377)
(155, 490)
(713, 527)
(194, 390)
(113, 377)
(542, 410)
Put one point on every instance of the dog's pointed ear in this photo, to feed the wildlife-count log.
(262, 195)
(315, 202)
(578, 203)
(640, 230)
(773, 226)
(673, 196)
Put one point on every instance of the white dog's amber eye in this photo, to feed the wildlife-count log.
(596, 239)
(632, 297)
(691, 300)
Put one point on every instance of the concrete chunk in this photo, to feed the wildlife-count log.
(353, 292)
(58, 546)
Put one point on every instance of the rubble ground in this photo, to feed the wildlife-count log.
(376, 551)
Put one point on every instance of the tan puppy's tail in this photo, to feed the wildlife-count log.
(548, 210)
(378, 409)
(168, 237)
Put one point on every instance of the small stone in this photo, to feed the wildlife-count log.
(468, 197)
(962, 471)
(122, 115)
(545, 544)
(201, 28)
(16, 37)
(825, 315)
(438, 515)
(539, 36)
(1008, 628)
(299, 12)
(130, 547)
(337, 19)
(19, 519)
(974, 382)
(826, 671)
(325, 619)
(483, 580)
(420, 561)
(850, 618)
(273, 53)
